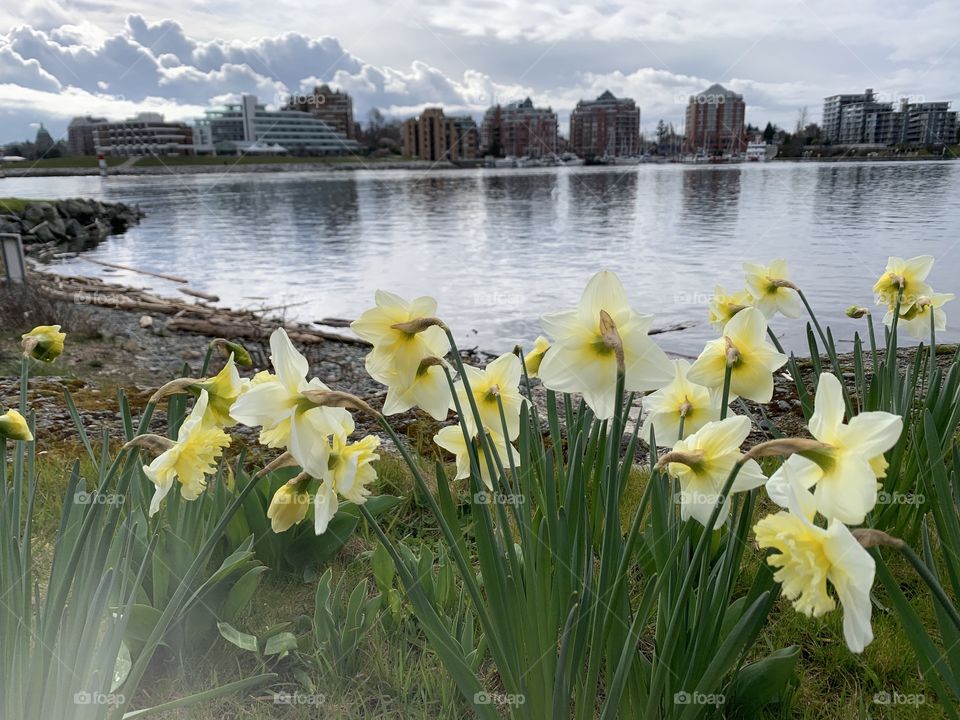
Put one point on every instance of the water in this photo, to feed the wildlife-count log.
(499, 247)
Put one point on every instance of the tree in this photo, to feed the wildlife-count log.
(769, 133)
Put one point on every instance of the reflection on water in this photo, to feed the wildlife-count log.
(500, 247)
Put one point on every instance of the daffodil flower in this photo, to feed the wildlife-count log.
(724, 305)
(498, 382)
(744, 348)
(44, 342)
(695, 404)
(702, 464)
(772, 290)
(223, 389)
(915, 319)
(289, 505)
(429, 390)
(349, 472)
(402, 333)
(451, 439)
(584, 355)
(809, 557)
(908, 275)
(532, 359)
(843, 471)
(287, 418)
(190, 459)
(14, 426)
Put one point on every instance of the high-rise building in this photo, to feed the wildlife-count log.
(334, 107)
(145, 134)
(80, 135)
(714, 122)
(605, 126)
(519, 129)
(861, 119)
(248, 126)
(436, 137)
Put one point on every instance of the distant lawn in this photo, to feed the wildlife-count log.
(80, 161)
(18, 205)
(230, 160)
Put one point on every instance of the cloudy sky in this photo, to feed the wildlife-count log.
(113, 58)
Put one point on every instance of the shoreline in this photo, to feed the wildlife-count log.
(321, 166)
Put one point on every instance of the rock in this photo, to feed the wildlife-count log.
(43, 233)
(146, 321)
(191, 355)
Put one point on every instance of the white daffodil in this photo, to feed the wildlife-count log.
(695, 404)
(745, 349)
(349, 472)
(772, 290)
(403, 334)
(583, 357)
(287, 418)
(429, 390)
(843, 472)
(702, 464)
(451, 439)
(724, 305)
(808, 557)
(190, 459)
(909, 275)
(498, 382)
(915, 319)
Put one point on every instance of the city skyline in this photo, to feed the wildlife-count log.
(115, 65)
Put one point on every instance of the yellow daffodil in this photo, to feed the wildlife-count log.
(702, 464)
(910, 275)
(745, 349)
(533, 358)
(588, 339)
(349, 472)
(724, 305)
(44, 342)
(772, 290)
(287, 418)
(681, 398)
(809, 557)
(451, 439)
(190, 459)
(843, 472)
(223, 390)
(916, 318)
(289, 505)
(14, 426)
(429, 390)
(498, 381)
(402, 334)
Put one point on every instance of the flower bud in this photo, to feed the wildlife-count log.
(240, 355)
(289, 504)
(856, 312)
(611, 338)
(44, 342)
(14, 426)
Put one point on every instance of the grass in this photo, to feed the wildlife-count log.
(80, 161)
(18, 205)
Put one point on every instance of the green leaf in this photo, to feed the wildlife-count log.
(242, 592)
(763, 682)
(242, 640)
(280, 644)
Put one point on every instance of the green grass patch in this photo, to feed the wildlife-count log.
(78, 161)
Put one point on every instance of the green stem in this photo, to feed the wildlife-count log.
(206, 361)
(776, 342)
(727, 374)
(932, 582)
(813, 317)
(873, 342)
